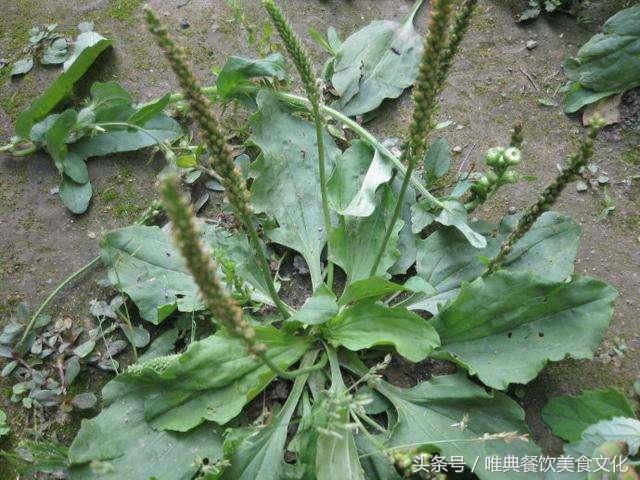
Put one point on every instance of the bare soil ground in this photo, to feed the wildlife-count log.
(496, 82)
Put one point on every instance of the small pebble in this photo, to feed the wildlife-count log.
(457, 149)
(531, 44)
(91, 235)
(512, 210)
(184, 24)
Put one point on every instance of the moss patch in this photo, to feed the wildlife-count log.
(122, 9)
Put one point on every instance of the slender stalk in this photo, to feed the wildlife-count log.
(51, 296)
(428, 84)
(323, 191)
(305, 69)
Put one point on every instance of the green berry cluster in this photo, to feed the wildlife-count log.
(500, 162)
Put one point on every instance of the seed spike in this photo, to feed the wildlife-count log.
(425, 95)
(215, 139)
(186, 234)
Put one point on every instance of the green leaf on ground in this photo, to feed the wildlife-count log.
(452, 214)
(57, 136)
(235, 78)
(75, 196)
(143, 262)
(212, 380)
(607, 64)
(22, 66)
(4, 428)
(568, 416)
(354, 247)
(437, 160)
(356, 178)
(504, 328)
(367, 324)
(121, 444)
(286, 185)
(118, 139)
(147, 111)
(87, 49)
(369, 288)
(446, 259)
(377, 62)
(319, 308)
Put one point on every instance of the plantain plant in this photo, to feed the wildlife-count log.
(396, 274)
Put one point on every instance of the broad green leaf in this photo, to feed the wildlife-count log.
(367, 324)
(608, 63)
(618, 430)
(67, 163)
(145, 265)
(22, 66)
(568, 416)
(452, 414)
(445, 259)
(287, 182)
(452, 214)
(504, 328)
(437, 160)
(319, 308)
(377, 62)
(57, 136)
(576, 96)
(235, 78)
(356, 241)
(369, 288)
(87, 49)
(356, 178)
(75, 168)
(548, 250)
(109, 94)
(120, 444)
(75, 196)
(143, 262)
(118, 139)
(146, 112)
(258, 452)
(212, 380)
